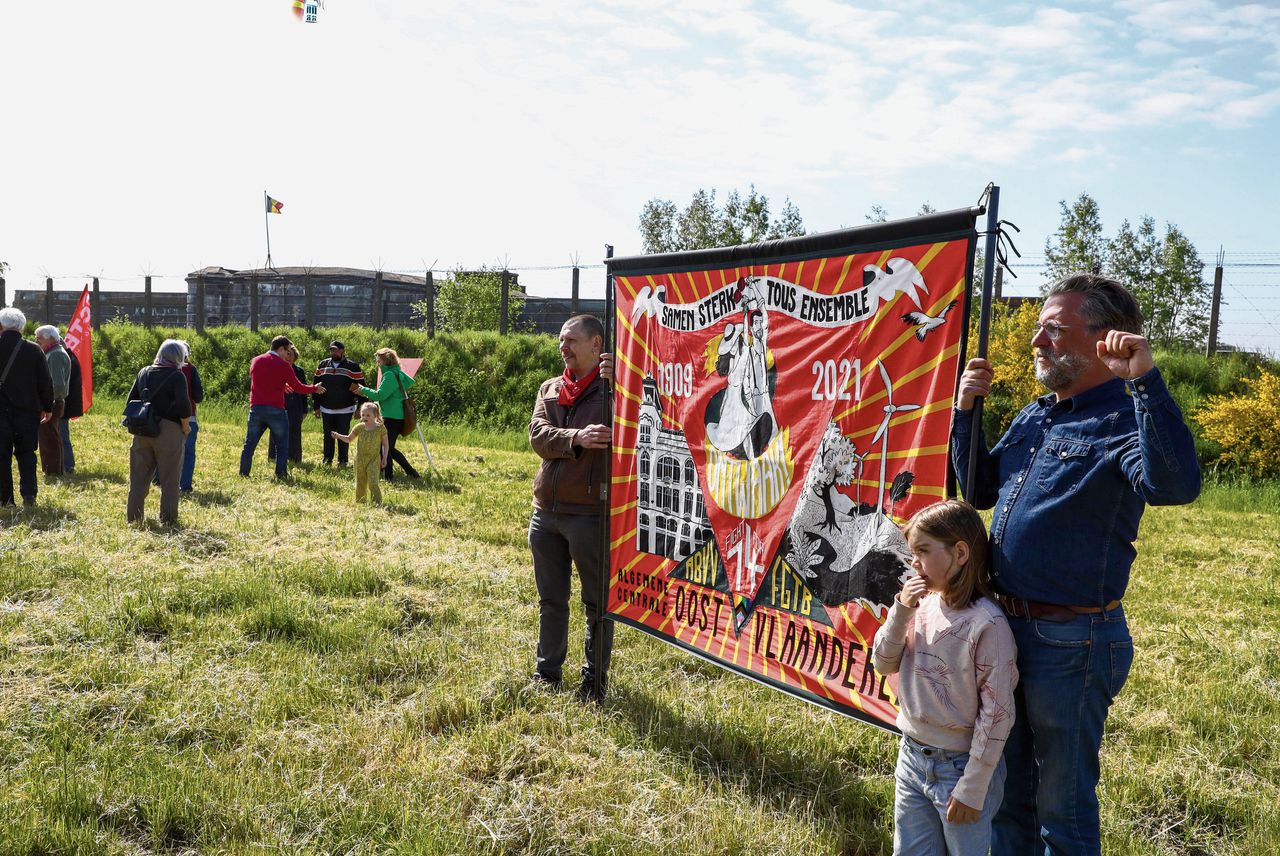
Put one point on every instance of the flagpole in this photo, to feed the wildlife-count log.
(266, 221)
(984, 326)
(606, 571)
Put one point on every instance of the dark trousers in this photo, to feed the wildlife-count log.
(19, 432)
(394, 456)
(340, 422)
(295, 437)
(49, 439)
(68, 453)
(556, 540)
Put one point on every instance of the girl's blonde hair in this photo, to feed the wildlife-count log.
(387, 356)
(377, 410)
(951, 521)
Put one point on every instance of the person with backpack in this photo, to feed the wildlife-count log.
(163, 385)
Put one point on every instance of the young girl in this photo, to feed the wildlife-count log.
(371, 450)
(954, 653)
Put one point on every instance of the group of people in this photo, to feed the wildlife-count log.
(1011, 646)
(40, 392)
(276, 384)
(277, 404)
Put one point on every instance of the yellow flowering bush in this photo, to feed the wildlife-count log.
(1247, 425)
(1009, 351)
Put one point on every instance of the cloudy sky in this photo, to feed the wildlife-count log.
(140, 136)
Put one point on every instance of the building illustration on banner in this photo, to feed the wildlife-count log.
(672, 518)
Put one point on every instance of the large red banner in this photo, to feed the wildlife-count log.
(780, 409)
(79, 340)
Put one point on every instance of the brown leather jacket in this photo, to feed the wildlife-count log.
(570, 478)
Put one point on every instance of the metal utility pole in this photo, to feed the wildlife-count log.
(1211, 347)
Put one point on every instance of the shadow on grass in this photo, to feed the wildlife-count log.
(398, 508)
(207, 498)
(429, 482)
(39, 518)
(832, 788)
(89, 475)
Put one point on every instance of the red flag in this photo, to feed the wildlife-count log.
(79, 340)
(408, 365)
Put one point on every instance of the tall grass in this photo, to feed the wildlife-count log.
(286, 672)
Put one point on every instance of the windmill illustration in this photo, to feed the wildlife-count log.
(883, 431)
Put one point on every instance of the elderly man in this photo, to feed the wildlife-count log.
(50, 435)
(1069, 482)
(337, 405)
(270, 377)
(26, 400)
(568, 433)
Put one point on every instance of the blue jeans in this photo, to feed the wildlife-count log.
(189, 457)
(1069, 673)
(263, 417)
(923, 783)
(68, 454)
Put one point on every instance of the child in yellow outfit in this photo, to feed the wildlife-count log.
(370, 436)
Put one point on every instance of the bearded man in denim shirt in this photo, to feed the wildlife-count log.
(1069, 482)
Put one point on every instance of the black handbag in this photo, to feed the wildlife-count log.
(140, 417)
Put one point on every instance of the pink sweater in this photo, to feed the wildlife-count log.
(956, 675)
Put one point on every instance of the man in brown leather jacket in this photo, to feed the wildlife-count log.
(568, 433)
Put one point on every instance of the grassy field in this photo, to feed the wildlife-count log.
(285, 673)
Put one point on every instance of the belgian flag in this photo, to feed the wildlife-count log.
(274, 206)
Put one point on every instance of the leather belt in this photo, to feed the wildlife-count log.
(1019, 608)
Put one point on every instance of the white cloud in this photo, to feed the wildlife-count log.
(463, 130)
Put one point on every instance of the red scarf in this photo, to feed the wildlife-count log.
(571, 390)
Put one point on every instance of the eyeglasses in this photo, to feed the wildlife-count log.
(1052, 329)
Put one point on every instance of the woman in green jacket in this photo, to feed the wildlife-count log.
(392, 390)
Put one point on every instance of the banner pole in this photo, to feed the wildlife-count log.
(984, 326)
(597, 632)
(430, 462)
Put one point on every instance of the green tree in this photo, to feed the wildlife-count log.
(788, 223)
(740, 220)
(877, 214)
(658, 226)
(700, 224)
(1078, 245)
(472, 300)
(1165, 272)
(1180, 298)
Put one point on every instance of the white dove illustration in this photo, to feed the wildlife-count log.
(898, 275)
(649, 302)
(926, 324)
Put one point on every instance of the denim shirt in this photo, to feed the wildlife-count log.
(1069, 482)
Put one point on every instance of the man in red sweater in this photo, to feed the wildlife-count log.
(270, 376)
